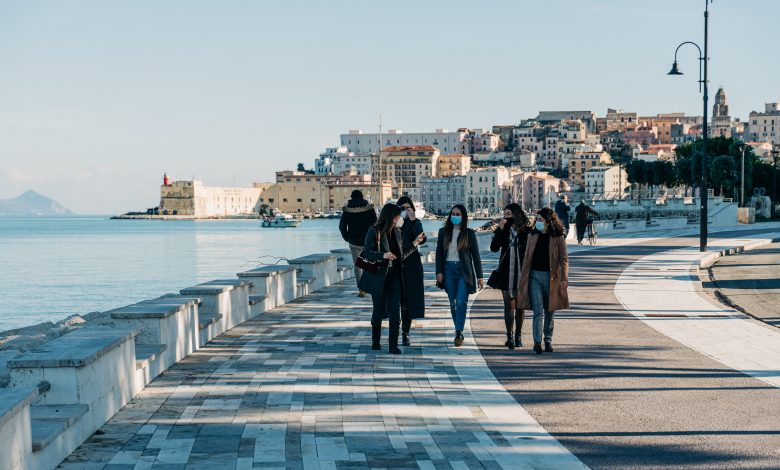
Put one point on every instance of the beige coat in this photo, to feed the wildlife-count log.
(559, 272)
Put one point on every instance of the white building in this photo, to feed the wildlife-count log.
(484, 189)
(446, 142)
(536, 189)
(765, 127)
(359, 164)
(440, 194)
(605, 182)
(323, 165)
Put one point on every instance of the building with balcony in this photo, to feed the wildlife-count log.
(765, 127)
(581, 162)
(440, 194)
(444, 140)
(405, 166)
(605, 182)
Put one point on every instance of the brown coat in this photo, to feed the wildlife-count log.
(559, 272)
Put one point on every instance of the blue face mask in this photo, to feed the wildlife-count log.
(539, 225)
(456, 219)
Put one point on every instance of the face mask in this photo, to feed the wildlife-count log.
(456, 219)
(405, 214)
(510, 221)
(399, 223)
(539, 225)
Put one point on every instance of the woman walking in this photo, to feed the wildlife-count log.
(458, 265)
(511, 238)
(545, 279)
(413, 297)
(384, 244)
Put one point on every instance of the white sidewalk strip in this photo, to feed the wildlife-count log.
(660, 290)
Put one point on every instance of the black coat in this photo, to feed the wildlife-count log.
(414, 290)
(356, 217)
(582, 212)
(562, 210)
(500, 241)
(470, 261)
(374, 283)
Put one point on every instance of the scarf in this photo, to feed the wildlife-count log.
(514, 261)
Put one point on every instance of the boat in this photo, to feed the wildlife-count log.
(280, 221)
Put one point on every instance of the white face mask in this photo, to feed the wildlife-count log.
(399, 223)
(405, 214)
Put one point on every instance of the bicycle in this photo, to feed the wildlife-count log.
(593, 235)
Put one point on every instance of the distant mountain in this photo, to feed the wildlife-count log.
(32, 203)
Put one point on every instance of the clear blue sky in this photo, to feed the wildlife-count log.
(98, 99)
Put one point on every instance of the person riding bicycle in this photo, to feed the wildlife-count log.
(581, 219)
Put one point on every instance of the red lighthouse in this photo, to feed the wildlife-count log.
(166, 180)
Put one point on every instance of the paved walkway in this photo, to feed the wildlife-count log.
(619, 393)
(751, 280)
(299, 387)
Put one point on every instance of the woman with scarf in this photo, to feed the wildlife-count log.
(511, 237)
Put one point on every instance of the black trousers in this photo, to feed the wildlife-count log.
(580, 231)
(388, 304)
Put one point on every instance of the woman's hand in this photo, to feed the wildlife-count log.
(388, 256)
(501, 223)
(420, 239)
(481, 283)
(439, 277)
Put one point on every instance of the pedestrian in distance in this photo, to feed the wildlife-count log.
(581, 219)
(384, 244)
(511, 237)
(562, 209)
(356, 217)
(458, 265)
(413, 298)
(544, 282)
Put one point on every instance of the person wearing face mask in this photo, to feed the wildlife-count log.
(510, 237)
(413, 298)
(458, 265)
(384, 243)
(544, 281)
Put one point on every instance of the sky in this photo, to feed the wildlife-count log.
(98, 99)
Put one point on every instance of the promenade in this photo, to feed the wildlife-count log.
(299, 387)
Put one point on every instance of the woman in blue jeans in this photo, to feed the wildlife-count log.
(458, 265)
(545, 279)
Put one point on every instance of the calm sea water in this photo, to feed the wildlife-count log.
(54, 267)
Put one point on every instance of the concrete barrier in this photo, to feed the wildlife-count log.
(317, 270)
(224, 304)
(271, 285)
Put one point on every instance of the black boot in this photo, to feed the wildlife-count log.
(405, 339)
(376, 333)
(518, 341)
(509, 343)
(548, 346)
(538, 348)
(458, 338)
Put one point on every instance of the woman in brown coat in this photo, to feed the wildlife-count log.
(545, 278)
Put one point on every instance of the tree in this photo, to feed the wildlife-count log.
(688, 161)
(723, 174)
(301, 168)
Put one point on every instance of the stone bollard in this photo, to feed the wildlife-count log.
(270, 286)
(317, 271)
(225, 304)
(346, 267)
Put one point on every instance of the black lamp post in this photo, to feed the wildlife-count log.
(703, 59)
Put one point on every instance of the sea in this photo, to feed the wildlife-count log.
(54, 267)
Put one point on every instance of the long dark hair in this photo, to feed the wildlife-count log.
(405, 200)
(521, 220)
(385, 222)
(463, 238)
(553, 222)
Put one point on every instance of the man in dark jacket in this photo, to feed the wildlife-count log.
(562, 209)
(356, 217)
(581, 219)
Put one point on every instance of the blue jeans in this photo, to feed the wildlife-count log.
(539, 290)
(457, 291)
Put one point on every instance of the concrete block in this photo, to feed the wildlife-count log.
(321, 268)
(276, 283)
(226, 297)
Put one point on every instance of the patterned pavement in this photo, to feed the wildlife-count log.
(299, 388)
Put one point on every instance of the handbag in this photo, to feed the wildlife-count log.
(367, 265)
(492, 281)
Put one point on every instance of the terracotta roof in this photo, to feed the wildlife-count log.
(410, 148)
(453, 155)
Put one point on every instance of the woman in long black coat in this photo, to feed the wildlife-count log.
(384, 245)
(511, 238)
(413, 298)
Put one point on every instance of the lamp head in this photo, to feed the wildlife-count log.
(675, 70)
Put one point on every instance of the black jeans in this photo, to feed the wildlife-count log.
(581, 231)
(389, 303)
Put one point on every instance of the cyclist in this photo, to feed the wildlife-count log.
(581, 219)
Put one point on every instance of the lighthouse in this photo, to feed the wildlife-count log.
(166, 180)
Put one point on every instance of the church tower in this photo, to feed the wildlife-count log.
(721, 121)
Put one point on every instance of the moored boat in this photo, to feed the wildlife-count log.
(280, 221)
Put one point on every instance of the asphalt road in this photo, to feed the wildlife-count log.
(619, 394)
(751, 281)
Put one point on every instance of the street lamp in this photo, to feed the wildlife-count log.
(703, 59)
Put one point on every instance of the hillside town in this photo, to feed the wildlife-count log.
(578, 153)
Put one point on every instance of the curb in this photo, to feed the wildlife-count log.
(707, 261)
